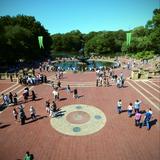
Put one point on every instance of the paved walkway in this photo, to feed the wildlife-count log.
(119, 139)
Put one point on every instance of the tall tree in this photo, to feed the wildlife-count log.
(20, 38)
(154, 27)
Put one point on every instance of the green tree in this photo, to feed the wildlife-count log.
(154, 27)
(102, 43)
(19, 36)
(71, 41)
(18, 41)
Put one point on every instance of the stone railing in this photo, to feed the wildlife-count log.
(144, 73)
(8, 75)
(21, 73)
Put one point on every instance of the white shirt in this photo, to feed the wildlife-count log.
(119, 103)
(55, 93)
(130, 107)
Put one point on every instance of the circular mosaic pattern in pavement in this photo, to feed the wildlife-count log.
(79, 120)
(78, 117)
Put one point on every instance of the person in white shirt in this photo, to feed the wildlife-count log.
(32, 112)
(119, 106)
(130, 108)
(15, 113)
(55, 94)
(150, 111)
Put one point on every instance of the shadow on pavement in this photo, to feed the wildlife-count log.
(4, 126)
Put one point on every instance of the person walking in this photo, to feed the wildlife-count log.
(22, 116)
(51, 112)
(130, 108)
(25, 94)
(59, 84)
(3, 98)
(11, 77)
(104, 82)
(55, 94)
(6, 99)
(138, 116)
(47, 105)
(10, 97)
(33, 96)
(119, 106)
(68, 89)
(137, 105)
(32, 112)
(15, 99)
(55, 109)
(97, 79)
(52, 84)
(119, 83)
(147, 118)
(107, 81)
(27, 156)
(15, 114)
(75, 93)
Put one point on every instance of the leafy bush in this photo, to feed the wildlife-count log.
(144, 55)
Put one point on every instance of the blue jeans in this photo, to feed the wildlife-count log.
(147, 123)
(119, 109)
(136, 110)
(129, 113)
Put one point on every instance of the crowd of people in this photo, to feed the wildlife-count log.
(21, 116)
(12, 99)
(9, 98)
(33, 79)
(135, 110)
(26, 94)
(51, 109)
(103, 78)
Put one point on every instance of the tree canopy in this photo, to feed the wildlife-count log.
(19, 38)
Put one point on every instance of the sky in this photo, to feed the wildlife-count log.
(61, 16)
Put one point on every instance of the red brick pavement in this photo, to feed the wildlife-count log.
(118, 140)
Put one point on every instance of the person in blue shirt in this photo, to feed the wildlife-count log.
(137, 105)
(147, 118)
